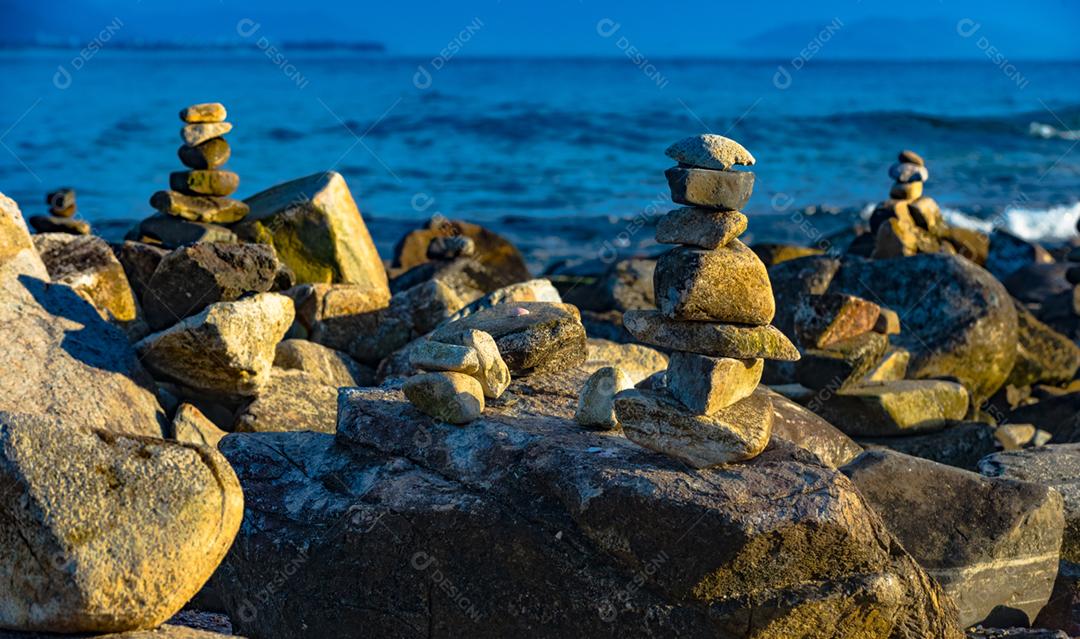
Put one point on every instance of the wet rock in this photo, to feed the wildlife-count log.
(991, 543)
(635, 360)
(961, 445)
(121, 539)
(331, 367)
(203, 112)
(196, 134)
(1053, 466)
(800, 427)
(596, 408)
(729, 284)
(88, 265)
(822, 320)
(896, 408)
(843, 364)
(700, 227)
(495, 254)
(172, 232)
(190, 426)
(708, 338)
(709, 151)
(494, 506)
(290, 400)
(190, 278)
(958, 321)
(208, 155)
(659, 422)
(1042, 354)
(545, 338)
(59, 359)
(58, 224)
(706, 384)
(451, 397)
(228, 348)
(318, 232)
(1008, 253)
(199, 208)
(724, 190)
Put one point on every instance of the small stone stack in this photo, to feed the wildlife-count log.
(201, 194)
(462, 371)
(907, 223)
(61, 217)
(715, 305)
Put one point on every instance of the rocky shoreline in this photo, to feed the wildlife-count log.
(244, 419)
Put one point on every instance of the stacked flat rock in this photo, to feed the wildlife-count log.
(61, 217)
(463, 370)
(201, 193)
(715, 304)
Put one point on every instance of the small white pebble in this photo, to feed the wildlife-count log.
(518, 311)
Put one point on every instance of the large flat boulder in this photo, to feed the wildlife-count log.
(958, 321)
(992, 544)
(318, 232)
(120, 539)
(405, 526)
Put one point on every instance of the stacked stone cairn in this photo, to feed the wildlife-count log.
(715, 304)
(201, 193)
(61, 217)
(462, 372)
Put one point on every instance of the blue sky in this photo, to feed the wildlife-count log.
(752, 28)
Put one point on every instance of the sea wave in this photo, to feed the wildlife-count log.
(1053, 224)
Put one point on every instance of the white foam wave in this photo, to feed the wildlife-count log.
(1057, 223)
(1046, 131)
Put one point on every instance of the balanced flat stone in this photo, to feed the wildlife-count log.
(707, 338)
(709, 151)
(842, 364)
(907, 172)
(436, 356)
(700, 227)
(455, 398)
(173, 232)
(707, 384)
(906, 191)
(204, 112)
(657, 421)
(208, 155)
(895, 408)
(198, 182)
(908, 155)
(199, 208)
(724, 190)
(926, 213)
(729, 284)
(57, 224)
(492, 371)
(891, 367)
(992, 544)
(596, 407)
(196, 134)
(821, 320)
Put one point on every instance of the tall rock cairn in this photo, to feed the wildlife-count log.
(715, 304)
(201, 194)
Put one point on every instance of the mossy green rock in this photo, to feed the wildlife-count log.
(209, 182)
(895, 408)
(729, 284)
(318, 232)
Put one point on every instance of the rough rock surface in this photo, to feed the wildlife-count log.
(120, 540)
(961, 445)
(451, 397)
(88, 265)
(537, 290)
(709, 151)
(17, 253)
(412, 313)
(318, 232)
(636, 360)
(492, 252)
(291, 400)
(724, 190)
(707, 384)
(331, 313)
(842, 364)
(991, 543)
(332, 368)
(1042, 354)
(1055, 466)
(173, 232)
(805, 429)
(596, 408)
(524, 510)
(821, 320)
(729, 284)
(546, 337)
(895, 408)
(704, 228)
(228, 348)
(193, 277)
(708, 338)
(139, 261)
(958, 320)
(190, 426)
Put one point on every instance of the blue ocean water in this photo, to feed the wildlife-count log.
(559, 153)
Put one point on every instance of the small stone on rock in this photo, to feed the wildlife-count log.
(709, 151)
(456, 398)
(196, 134)
(204, 112)
(595, 402)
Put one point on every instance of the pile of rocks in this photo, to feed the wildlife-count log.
(463, 370)
(201, 194)
(61, 217)
(715, 305)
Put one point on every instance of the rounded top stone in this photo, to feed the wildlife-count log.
(204, 112)
(709, 151)
(907, 155)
